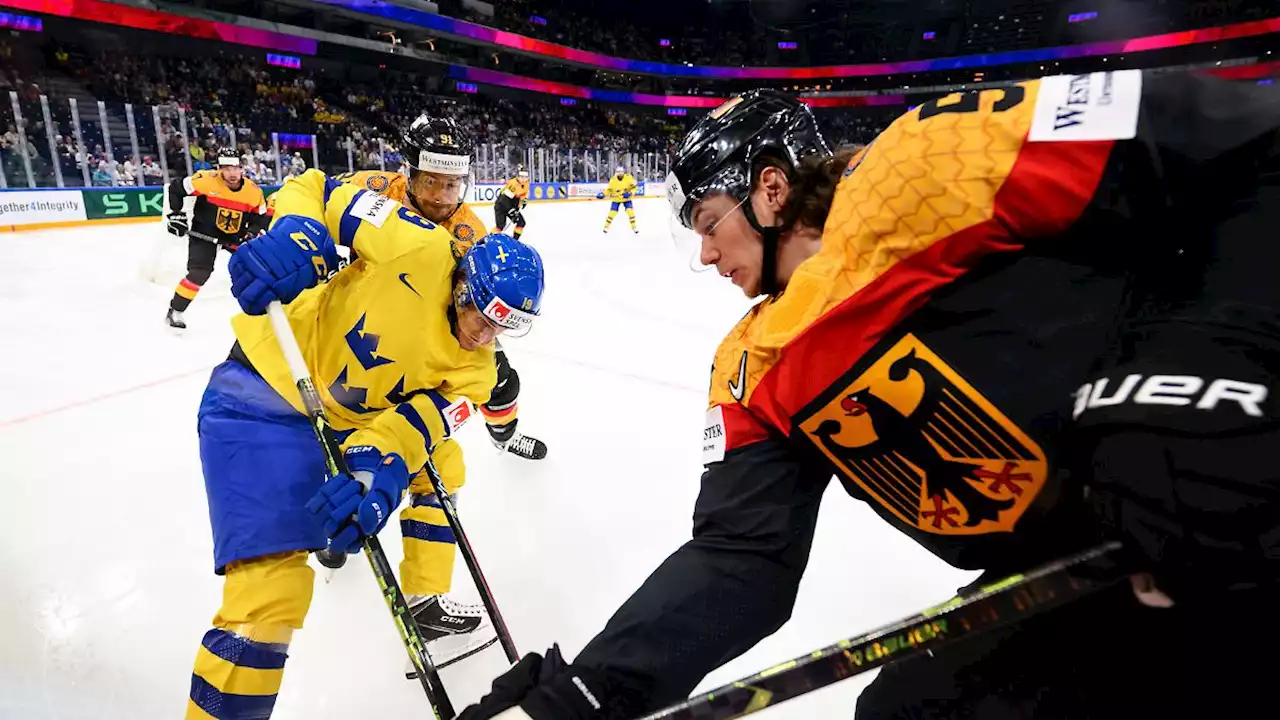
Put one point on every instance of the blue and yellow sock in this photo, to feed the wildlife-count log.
(240, 664)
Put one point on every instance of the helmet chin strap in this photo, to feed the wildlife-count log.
(769, 238)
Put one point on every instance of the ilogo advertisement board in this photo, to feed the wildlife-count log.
(487, 193)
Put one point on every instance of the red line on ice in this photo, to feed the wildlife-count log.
(99, 398)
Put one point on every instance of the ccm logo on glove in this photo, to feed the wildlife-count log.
(1171, 390)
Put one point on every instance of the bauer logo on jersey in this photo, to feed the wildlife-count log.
(228, 220)
(927, 446)
(373, 208)
(1097, 106)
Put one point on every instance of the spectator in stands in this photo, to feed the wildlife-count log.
(101, 173)
(197, 158)
(152, 173)
(240, 97)
(128, 173)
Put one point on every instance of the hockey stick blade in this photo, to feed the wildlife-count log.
(995, 605)
(455, 660)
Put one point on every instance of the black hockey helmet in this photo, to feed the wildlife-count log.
(227, 155)
(436, 144)
(717, 155)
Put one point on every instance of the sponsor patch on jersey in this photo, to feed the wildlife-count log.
(1095, 106)
(464, 232)
(377, 183)
(374, 208)
(927, 446)
(713, 436)
(456, 414)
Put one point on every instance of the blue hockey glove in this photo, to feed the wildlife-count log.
(626, 196)
(291, 257)
(599, 196)
(350, 511)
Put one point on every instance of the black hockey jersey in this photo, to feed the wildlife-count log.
(977, 263)
(220, 212)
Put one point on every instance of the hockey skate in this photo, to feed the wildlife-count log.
(174, 319)
(521, 445)
(453, 631)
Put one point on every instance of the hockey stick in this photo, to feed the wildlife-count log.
(473, 565)
(335, 560)
(1000, 603)
(218, 241)
(207, 238)
(409, 632)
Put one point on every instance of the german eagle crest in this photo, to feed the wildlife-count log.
(928, 447)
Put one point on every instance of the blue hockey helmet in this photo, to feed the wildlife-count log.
(502, 278)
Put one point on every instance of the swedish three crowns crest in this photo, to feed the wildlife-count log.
(927, 446)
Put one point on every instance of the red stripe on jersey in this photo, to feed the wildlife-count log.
(741, 427)
(1048, 188)
(229, 203)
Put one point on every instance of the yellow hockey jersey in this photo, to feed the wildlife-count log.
(517, 188)
(618, 186)
(376, 337)
(465, 225)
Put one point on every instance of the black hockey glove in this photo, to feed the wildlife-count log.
(1179, 461)
(176, 223)
(1200, 514)
(544, 688)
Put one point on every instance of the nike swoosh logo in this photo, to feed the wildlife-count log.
(403, 279)
(738, 390)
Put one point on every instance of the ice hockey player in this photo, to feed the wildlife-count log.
(622, 186)
(229, 208)
(438, 155)
(929, 313)
(400, 344)
(508, 207)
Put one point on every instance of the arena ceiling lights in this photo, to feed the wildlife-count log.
(142, 19)
(531, 46)
(565, 90)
